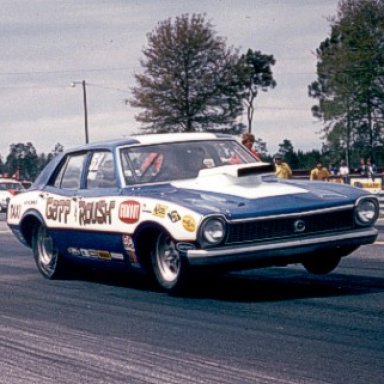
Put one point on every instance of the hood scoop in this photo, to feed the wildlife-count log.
(238, 171)
(259, 170)
(244, 181)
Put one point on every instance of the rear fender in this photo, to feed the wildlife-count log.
(28, 223)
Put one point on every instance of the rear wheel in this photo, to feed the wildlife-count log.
(170, 269)
(327, 262)
(47, 258)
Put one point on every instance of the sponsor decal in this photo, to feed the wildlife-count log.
(128, 243)
(160, 210)
(104, 255)
(93, 253)
(85, 253)
(189, 223)
(14, 211)
(58, 210)
(74, 251)
(117, 256)
(174, 216)
(96, 212)
(129, 247)
(30, 202)
(129, 211)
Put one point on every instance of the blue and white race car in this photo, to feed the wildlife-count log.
(175, 204)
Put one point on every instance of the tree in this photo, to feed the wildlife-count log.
(288, 153)
(2, 166)
(261, 148)
(190, 78)
(22, 161)
(350, 84)
(255, 74)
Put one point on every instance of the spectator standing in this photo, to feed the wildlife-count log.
(319, 172)
(248, 140)
(371, 169)
(344, 171)
(282, 169)
(333, 169)
(362, 170)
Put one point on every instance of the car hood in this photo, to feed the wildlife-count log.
(238, 194)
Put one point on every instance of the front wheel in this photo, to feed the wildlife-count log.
(47, 258)
(321, 264)
(170, 269)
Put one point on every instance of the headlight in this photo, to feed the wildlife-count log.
(213, 231)
(366, 211)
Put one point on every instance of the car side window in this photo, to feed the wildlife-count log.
(69, 176)
(101, 171)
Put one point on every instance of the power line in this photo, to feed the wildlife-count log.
(108, 87)
(282, 108)
(64, 71)
(13, 86)
(109, 70)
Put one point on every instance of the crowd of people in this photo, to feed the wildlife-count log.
(365, 169)
(320, 172)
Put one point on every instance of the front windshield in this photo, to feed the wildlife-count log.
(10, 185)
(179, 160)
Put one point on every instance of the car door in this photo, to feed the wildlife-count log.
(61, 190)
(96, 207)
(60, 199)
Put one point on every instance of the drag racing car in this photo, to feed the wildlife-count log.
(176, 205)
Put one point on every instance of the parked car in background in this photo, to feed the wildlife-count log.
(175, 205)
(8, 188)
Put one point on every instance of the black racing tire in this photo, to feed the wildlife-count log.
(327, 262)
(47, 258)
(320, 266)
(170, 270)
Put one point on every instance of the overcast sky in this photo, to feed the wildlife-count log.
(48, 44)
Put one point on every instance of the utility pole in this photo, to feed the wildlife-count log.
(83, 83)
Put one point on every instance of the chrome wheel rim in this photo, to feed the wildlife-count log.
(47, 254)
(167, 258)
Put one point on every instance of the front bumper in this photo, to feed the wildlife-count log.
(277, 252)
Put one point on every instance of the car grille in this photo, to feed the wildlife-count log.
(290, 227)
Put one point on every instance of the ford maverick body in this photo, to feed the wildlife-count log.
(175, 205)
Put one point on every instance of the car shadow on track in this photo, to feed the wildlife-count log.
(271, 285)
(261, 285)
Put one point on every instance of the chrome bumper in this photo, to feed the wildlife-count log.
(286, 249)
